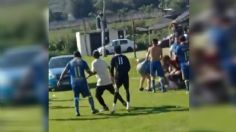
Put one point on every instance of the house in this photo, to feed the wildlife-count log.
(87, 43)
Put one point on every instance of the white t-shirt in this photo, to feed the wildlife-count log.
(101, 68)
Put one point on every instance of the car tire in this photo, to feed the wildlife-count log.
(130, 49)
(107, 52)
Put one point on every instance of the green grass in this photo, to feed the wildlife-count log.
(159, 112)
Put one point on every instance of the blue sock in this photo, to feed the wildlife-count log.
(91, 102)
(76, 100)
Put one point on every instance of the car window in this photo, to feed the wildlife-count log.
(123, 42)
(59, 62)
(115, 43)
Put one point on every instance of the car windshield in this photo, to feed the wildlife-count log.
(115, 43)
(18, 59)
(59, 62)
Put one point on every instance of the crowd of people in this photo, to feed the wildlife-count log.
(172, 69)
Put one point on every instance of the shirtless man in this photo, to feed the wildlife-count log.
(155, 55)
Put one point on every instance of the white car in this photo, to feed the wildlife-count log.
(126, 46)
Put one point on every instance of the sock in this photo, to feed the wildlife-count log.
(153, 85)
(162, 84)
(114, 106)
(76, 100)
(91, 102)
(187, 84)
(127, 105)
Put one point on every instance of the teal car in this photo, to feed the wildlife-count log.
(56, 66)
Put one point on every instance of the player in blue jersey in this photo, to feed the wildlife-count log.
(76, 68)
(182, 52)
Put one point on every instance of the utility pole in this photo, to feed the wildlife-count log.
(133, 32)
(103, 28)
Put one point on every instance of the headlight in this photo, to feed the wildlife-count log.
(51, 76)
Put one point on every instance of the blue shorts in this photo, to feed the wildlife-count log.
(80, 87)
(185, 72)
(156, 69)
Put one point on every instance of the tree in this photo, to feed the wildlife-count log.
(81, 8)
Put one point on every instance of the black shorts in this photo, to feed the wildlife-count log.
(122, 81)
(101, 89)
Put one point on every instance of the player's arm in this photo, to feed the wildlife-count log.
(87, 69)
(62, 75)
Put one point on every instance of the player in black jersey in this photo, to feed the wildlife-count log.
(120, 64)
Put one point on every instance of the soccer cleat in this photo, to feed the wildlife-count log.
(141, 89)
(106, 108)
(113, 112)
(78, 114)
(95, 111)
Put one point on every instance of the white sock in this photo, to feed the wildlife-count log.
(114, 106)
(127, 105)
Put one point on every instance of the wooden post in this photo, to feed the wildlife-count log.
(133, 33)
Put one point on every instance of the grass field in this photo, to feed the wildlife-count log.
(159, 112)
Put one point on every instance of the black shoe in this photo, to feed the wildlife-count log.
(141, 89)
(95, 111)
(78, 114)
(112, 112)
(106, 108)
(124, 104)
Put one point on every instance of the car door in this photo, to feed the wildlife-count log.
(124, 45)
(114, 43)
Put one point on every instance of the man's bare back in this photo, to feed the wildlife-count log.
(155, 53)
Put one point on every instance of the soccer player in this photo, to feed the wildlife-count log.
(182, 52)
(100, 68)
(155, 54)
(121, 65)
(76, 68)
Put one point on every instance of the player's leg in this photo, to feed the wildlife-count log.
(148, 82)
(153, 75)
(99, 93)
(160, 73)
(185, 74)
(142, 79)
(126, 86)
(117, 86)
(86, 93)
(76, 99)
(111, 89)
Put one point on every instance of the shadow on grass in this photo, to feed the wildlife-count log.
(61, 100)
(79, 119)
(135, 111)
(63, 107)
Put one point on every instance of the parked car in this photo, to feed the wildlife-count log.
(56, 66)
(15, 64)
(126, 46)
